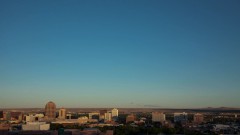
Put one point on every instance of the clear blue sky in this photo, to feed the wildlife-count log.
(105, 53)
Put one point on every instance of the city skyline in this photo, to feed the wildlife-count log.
(120, 54)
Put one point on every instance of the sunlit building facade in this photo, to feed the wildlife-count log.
(108, 116)
(158, 117)
(50, 110)
(114, 112)
(62, 113)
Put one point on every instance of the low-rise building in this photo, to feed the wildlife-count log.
(93, 115)
(130, 118)
(198, 118)
(36, 126)
(158, 117)
(4, 126)
(34, 117)
(180, 117)
(82, 120)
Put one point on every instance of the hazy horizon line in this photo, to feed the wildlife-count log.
(125, 107)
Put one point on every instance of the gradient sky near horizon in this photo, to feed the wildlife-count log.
(105, 53)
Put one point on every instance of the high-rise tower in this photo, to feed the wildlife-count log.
(50, 110)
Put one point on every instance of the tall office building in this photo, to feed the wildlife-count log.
(198, 118)
(158, 117)
(114, 113)
(50, 110)
(108, 116)
(62, 113)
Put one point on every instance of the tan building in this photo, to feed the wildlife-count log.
(198, 118)
(83, 120)
(108, 116)
(109, 132)
(50, 110)
(31, 126)
(158, 117)
(62, 113)
(4, 126)
(130, 118)
(30, 118)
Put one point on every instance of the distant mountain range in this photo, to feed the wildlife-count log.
(220, 108)
(129, 110)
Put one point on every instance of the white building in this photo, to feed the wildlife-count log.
(35, 117)
(218, 127)
(158, 117)
(114, 113)
(36, 126)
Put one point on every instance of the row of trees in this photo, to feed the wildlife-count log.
(133, 130)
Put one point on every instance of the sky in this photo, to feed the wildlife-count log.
(133, 54)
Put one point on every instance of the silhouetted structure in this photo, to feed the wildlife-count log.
(102, 112)
(1, 114)
(180, 117)
(16, 115)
